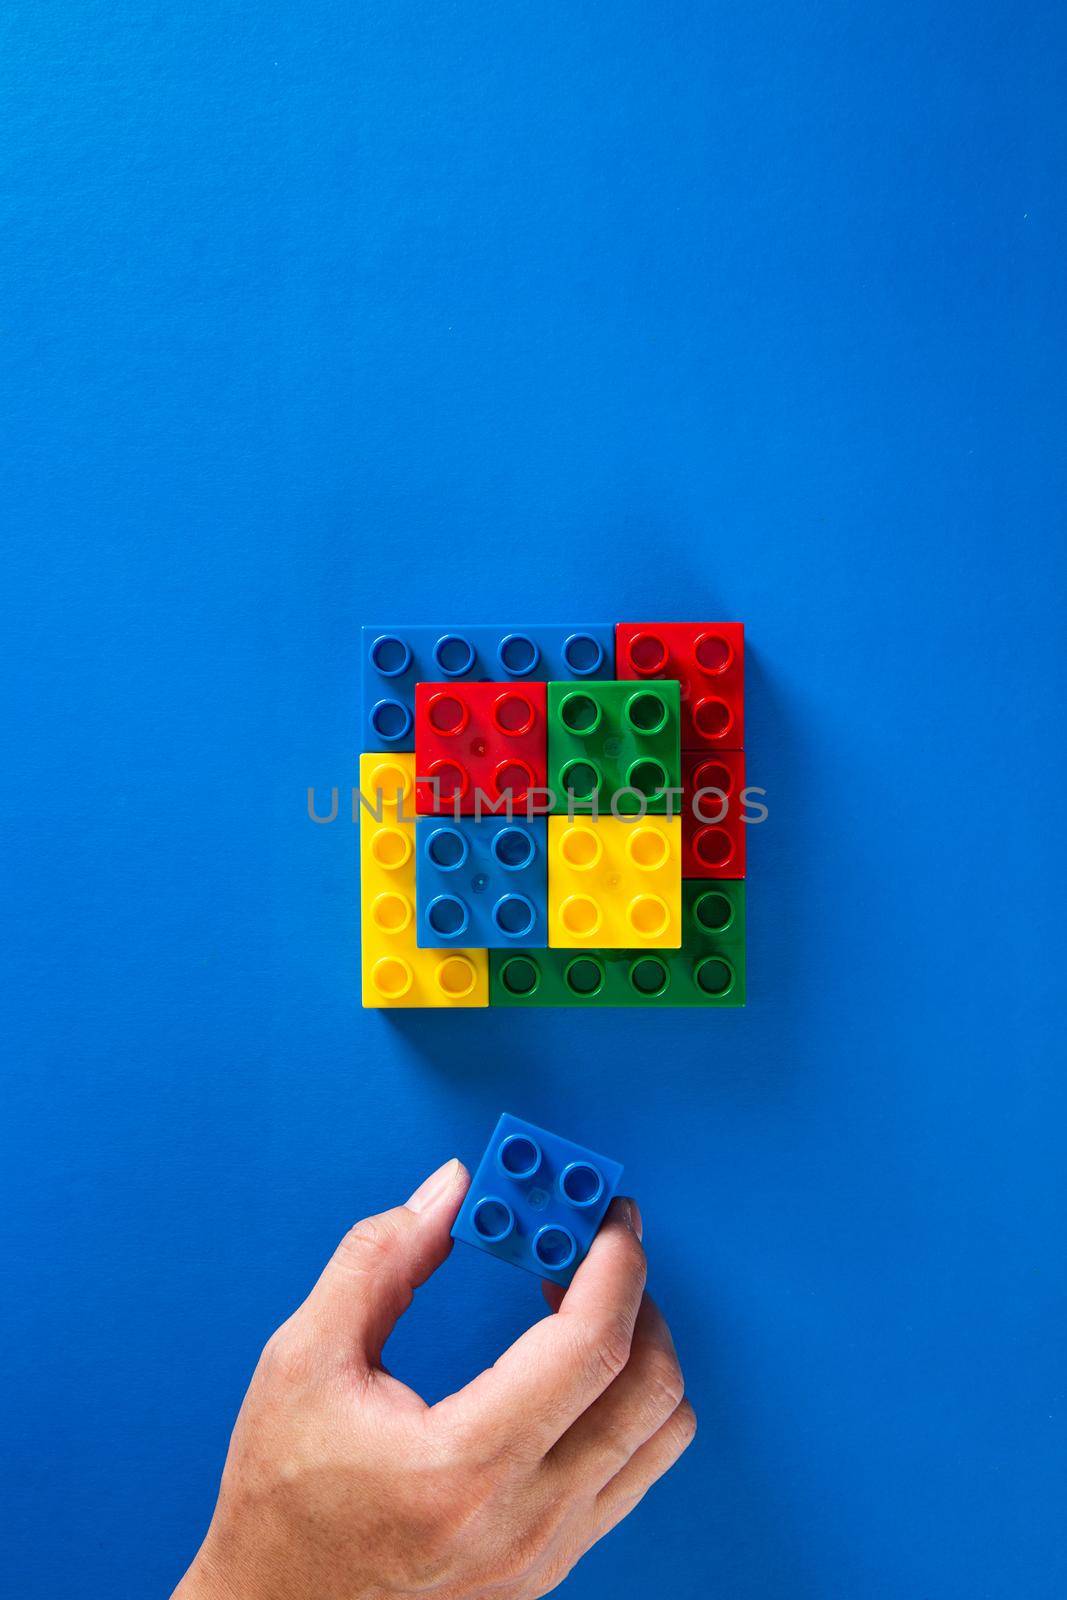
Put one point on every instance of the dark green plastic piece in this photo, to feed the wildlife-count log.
(709, 969)
(608, 738)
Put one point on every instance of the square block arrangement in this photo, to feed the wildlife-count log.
(536, 1200)
(630, 892)
(616, 740)
(395, 659)
(708, 970)
(478, 744)
(713, 831)
(614, 883)
(396, 973)
(482, 881)
(708, 661)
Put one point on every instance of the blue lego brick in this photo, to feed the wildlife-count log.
(536, 1200)
(481, 882)
(395, 659)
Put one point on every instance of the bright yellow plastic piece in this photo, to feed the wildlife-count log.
(615, 885)
(396, 973)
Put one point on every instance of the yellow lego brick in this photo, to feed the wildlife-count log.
(615, 884)
(396, 973)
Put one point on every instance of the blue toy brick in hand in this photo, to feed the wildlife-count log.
(537, 1200)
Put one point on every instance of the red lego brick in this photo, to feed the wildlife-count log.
(478, 737)
(708, 659)
(713, 833)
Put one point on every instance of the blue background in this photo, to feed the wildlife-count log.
(316, 313)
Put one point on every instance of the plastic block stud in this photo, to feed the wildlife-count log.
(709, 969)
(481, 880)
(536, 1200)
(396, 973)
(614, 883)
(478, 746)
(614, 746)
(707, 659)
(395, 659)
(713, 829)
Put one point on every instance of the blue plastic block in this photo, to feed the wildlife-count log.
(395, 659)
(481, 882)
(536, 1200)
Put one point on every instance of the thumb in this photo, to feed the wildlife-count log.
(375, 1270)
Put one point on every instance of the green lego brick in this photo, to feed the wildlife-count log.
(708, 970)
(607, 737)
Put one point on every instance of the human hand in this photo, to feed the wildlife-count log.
(342, 1484)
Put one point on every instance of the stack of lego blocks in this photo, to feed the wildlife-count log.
(552, 816)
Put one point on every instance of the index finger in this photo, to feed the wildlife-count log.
(548, 1377)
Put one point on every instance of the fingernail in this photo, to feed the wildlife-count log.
(633, 1217)
(433, 1187)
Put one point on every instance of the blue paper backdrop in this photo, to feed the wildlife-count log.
(317, 312)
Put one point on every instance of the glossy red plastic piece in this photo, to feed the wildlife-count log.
(713, 833)
(708, 659)
(478, 737)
